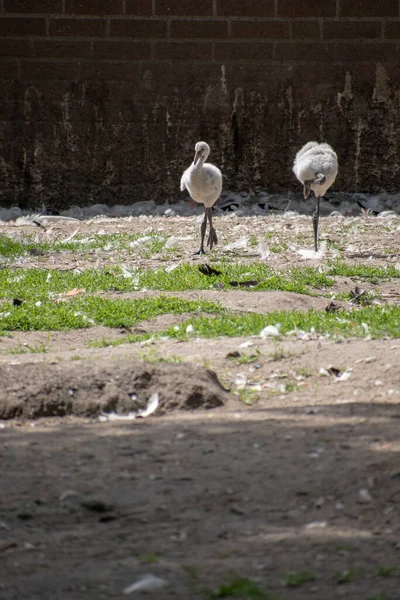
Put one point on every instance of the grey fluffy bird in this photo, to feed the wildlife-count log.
(316, 167)
(203, 181)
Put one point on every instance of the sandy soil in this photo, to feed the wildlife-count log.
(287, 459)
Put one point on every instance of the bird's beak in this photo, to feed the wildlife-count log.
(306, 191)
(196, 157)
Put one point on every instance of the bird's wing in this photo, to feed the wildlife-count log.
(183, 185)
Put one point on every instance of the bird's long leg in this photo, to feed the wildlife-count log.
(203, 235)
(212, 238)
(315, 219)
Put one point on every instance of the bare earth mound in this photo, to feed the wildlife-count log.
(49, 390)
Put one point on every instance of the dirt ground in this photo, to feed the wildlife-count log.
(264, 456)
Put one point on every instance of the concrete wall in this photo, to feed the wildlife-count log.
(103, 100)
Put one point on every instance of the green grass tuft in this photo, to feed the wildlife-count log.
(378, 321)
(240, 588)
(40, 283)
(298, 578)
(88, 311)
(125, 242)
(368, 272)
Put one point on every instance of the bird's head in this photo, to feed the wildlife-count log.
(306, 190)
(202, 150)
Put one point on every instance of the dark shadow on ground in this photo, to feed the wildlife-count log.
(258, 493)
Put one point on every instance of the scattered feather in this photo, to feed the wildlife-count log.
(173, 266)
(238, 244)
(152, 405)
(312, 255)
(248, 283)
(332, 307)
(270, 331)
(207, 270)
(146, 583)
(70, 237)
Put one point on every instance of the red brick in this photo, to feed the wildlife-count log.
(185, 8)
(261, 29)
(380, 51)
(392, 30)
(93, 7)
(10, 47)
(339, 30)
(124, 49)
(22, 26)
(33, 6)
(50, 70)
(138, 28)
(184, 50)
(307, 8)
(305, 30)
(246, 8)
(9, 69)
(243, 51)
(59, 49)
(312, 51)
(78, 27)
(139, 7)
(369, 8)
(199, 29)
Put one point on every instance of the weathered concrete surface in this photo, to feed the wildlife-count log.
(87, 138)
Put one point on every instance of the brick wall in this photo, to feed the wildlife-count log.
(103, 100)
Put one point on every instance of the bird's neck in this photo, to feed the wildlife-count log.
(196, 168)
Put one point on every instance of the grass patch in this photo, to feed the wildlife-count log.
(144, 245)
(148, 559)
(191, 570)
(347, 576)
(152, 356)
(387, 571)
(40, 283)
(86, 312)
(281, 248)
(297, 578)
(243, 359)
(248, 396)
(25, 348)
(279, 353)
(378, 321)
(368, 272)
(240, 588)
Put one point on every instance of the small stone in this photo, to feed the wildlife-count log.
(364, 496)
(370, 359)
(29, 546)
(317, 525)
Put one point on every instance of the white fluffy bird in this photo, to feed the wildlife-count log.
(203, 181)
(316, 167)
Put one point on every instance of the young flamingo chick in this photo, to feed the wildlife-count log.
(316, 167)
(203, 181)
